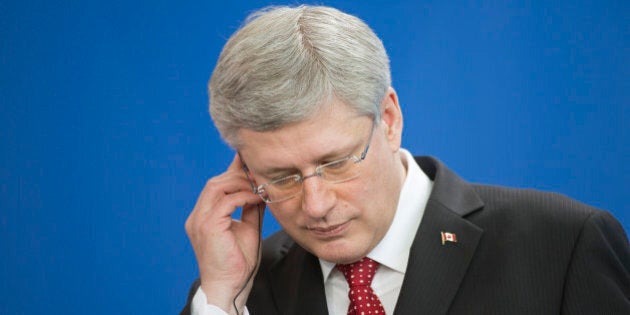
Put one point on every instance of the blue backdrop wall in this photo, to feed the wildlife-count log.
(105, 140)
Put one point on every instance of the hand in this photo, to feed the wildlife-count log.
(226, 249)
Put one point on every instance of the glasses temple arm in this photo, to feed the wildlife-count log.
(367, 146)
(249, 179)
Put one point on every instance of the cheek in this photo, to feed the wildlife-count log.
(279, 214)
(376, 195)
(286, 214)
(360, 199)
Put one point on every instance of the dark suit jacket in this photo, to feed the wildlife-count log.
(517, 252)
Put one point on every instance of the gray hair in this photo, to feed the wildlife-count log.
(287, 63)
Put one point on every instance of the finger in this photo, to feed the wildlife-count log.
(219, 187)
(253, 213)
(234, 181)
(221, 211)
(227, 205)
(220, 218)
(236, 164)
(239, 165)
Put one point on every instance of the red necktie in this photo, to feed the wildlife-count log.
(359, 275)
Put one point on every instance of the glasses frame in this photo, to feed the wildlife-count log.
(260, 189)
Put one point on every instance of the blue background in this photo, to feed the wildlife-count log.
(105, 140)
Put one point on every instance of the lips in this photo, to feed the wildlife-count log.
(329, 231)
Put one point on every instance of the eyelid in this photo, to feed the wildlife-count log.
(274, 175)
(284, 178)
(346, 157)
(336, 157)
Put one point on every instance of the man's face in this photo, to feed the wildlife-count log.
(338, 222)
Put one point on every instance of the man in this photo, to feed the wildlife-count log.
(303, 95)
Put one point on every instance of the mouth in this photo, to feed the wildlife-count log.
(330, 231)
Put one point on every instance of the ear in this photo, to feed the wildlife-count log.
(391, 119)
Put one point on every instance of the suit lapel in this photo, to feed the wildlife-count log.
(297, 284)
(435, 270)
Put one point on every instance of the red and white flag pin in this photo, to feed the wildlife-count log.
(448, 237)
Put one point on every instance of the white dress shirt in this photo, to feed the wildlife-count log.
(391, 253)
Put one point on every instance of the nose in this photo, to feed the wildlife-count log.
(317, 198)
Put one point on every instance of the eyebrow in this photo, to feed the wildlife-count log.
(279, 172)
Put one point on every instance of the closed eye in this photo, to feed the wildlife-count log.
(286, 181)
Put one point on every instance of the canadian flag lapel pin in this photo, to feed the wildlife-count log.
(448, 237)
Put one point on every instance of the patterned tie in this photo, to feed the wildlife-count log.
(359, 275)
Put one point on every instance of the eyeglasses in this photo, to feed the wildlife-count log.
(287, 187)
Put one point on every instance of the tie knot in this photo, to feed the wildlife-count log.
(359, 273)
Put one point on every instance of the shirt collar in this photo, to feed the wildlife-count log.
(393, 250)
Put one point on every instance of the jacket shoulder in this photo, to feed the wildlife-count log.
(275, 248)
(534, 204)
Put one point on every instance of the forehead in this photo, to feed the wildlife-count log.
(328, 134)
